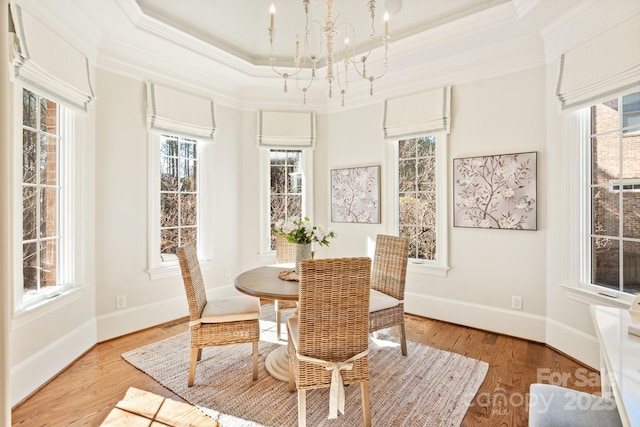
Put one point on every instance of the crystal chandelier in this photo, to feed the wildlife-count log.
(339, 61)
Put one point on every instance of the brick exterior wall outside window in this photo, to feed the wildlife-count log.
(610, 144)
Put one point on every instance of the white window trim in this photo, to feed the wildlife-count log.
(439, 266)
(74, 154)
(265, 203)
(576, 277)
(157, 269)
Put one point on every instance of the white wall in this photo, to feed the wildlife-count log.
(500, 115)
(122, 211)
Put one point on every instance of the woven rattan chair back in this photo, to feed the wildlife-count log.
(209, 334)
(192, 279)
(333, 325)
(285, 253)
(389, 271)
(388, 276)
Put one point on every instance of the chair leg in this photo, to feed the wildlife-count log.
(278, 319)
(195, 356)
(292, 380)
(255, 360)
(403, 339)
(366, 412)
(199, 354)
(302, 408)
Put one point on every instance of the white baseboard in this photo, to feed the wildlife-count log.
(573, 342)
(125, 321)
(509, 322)
(122, 322)
(31, 373)
(566, 339)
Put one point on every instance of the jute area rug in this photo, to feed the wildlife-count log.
(428, 387)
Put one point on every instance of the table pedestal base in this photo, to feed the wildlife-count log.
(277, 363)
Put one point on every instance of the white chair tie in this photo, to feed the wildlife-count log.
(336, 392)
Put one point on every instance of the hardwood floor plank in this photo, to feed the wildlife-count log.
(85, 393)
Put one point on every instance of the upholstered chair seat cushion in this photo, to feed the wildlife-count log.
(231, 309)
(379, 301)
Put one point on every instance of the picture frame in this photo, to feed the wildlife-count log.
(496, 191)
(355, 195)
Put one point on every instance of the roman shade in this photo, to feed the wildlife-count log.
(179, 113)
(44, 62)
(280, 129)
(418, 114)
(605, 66)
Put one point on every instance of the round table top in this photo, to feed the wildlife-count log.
(263, 282)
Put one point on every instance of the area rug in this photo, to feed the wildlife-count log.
(428, 387)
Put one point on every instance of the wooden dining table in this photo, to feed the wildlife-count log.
(263, 282)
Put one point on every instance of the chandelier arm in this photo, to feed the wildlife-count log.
(337, 61)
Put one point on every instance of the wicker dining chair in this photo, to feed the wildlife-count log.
(214, 322)
(387, 285)
(330, 331)
(285, 253)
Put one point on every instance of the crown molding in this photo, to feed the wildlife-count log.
(418, 69)
(145, 65)
(459, 29)
(585, 21)
(495, 40)
(523, 7)
(153, 26)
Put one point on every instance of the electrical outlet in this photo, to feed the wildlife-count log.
(121, 302)
(516, 302)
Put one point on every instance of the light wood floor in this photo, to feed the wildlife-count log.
(85, 392)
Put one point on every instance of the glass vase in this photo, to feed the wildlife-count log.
(303, 251)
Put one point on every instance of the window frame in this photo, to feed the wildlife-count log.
(156, 268)
(586, 201)
(70, 214)
(439, 266)
(265, 198)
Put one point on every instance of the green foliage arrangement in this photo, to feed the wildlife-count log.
(301, 231)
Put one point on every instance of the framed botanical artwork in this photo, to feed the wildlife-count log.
(355, 195)
(496, 191)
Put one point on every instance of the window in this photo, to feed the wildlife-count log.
(178, 194)
(180, 183)
(286, 187)
(47, 145)
(420, 193)
(614, 241)
(40, 186)
(417, 195)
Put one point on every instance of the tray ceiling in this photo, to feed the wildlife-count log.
(240, 27)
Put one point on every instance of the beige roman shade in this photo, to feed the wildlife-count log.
(605, 66)
(44, 62)
(418, 114)
(282, 129)
(179, 113)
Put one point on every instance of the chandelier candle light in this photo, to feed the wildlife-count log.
(305, 65)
